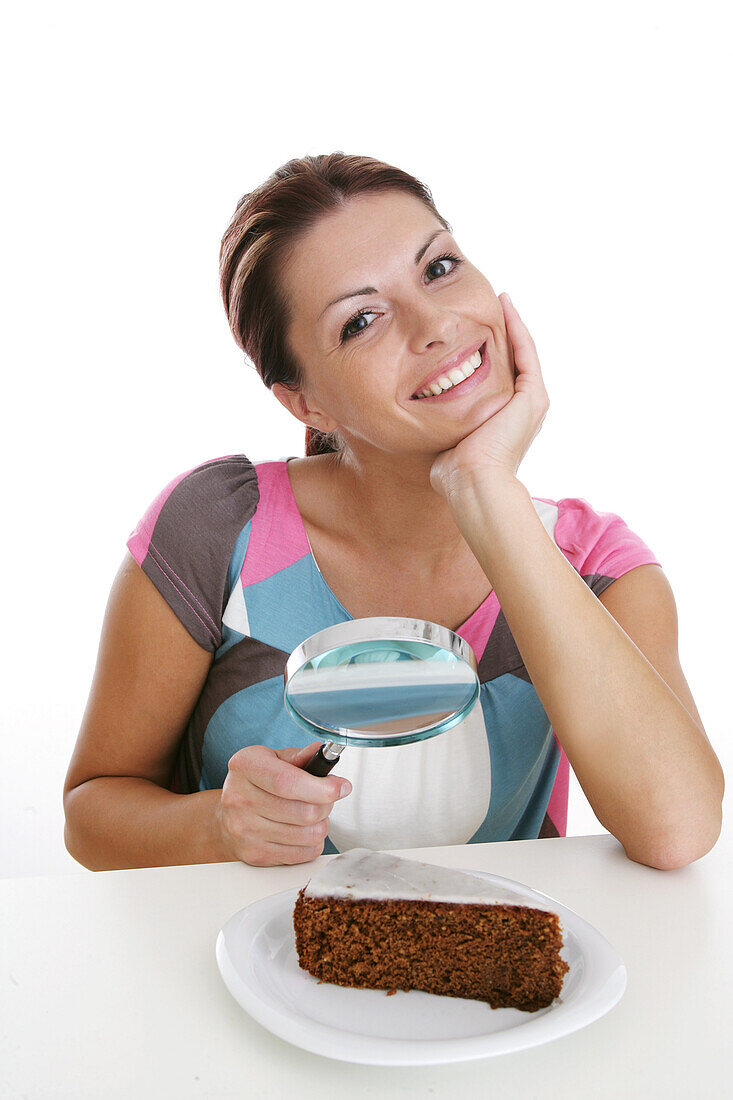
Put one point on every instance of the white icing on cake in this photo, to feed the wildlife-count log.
(363, 875)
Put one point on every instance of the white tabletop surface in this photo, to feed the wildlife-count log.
(110, 986)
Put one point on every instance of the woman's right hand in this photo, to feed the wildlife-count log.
(272, 812)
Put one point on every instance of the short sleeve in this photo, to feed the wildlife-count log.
(185, 540)
(599, 545)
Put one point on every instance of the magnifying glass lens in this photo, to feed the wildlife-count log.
(379, 690)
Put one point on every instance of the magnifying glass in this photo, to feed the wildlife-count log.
(379, 681)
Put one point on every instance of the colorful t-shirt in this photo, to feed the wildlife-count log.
(226, 547)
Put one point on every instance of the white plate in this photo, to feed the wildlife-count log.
(256, 954)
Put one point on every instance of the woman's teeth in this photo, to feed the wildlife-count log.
(452, 378)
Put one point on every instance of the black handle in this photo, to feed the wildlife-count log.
(320, 764)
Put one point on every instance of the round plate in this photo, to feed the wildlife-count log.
(255, 951)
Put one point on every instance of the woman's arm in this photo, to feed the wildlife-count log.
(622, 712)
(119, 811)
(148, 677)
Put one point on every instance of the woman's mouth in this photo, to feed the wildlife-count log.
(459, 380)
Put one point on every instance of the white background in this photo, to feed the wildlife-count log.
(581, 154)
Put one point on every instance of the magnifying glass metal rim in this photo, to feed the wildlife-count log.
(386, 629)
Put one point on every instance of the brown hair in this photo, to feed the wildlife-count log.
(264, 228)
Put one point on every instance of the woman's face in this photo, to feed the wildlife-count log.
(378, 309)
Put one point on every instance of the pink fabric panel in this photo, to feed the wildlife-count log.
(598, 542)
(278, 538)
(477, 629)
(557, 807)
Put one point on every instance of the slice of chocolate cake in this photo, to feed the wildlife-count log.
(375, 921)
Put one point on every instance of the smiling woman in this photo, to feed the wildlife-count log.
(420, 401)
(292, 201)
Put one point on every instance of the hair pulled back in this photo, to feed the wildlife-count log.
(265, 227)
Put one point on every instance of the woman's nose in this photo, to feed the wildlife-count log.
(431, 323)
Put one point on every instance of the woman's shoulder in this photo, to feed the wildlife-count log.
(185, 538)
(220, 474)
(597, 543)
(220, 495)
(226, 486)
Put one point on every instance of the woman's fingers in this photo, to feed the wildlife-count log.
(274, 855)
(301, 756)
(289, 811)
(270, 773)
(271, 811)
(528, 375)
(526, 359)
(278, 832)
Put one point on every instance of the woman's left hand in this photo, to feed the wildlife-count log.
(497, 446)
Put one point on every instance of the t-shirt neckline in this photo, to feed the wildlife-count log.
(294, 502)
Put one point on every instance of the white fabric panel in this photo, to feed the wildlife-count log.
(415, 796)
(548, 514)
(235, 615)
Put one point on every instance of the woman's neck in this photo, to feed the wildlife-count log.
(390, 504)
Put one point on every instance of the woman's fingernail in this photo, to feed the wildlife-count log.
(511, 303)
(346, 788)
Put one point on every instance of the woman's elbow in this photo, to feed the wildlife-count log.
(71, 843)
(676, 851)
(74, 833)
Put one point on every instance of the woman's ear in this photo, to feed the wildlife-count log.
(294, 401)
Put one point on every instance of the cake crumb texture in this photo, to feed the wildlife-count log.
(506, 955)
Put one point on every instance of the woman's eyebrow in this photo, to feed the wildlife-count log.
(373, 290)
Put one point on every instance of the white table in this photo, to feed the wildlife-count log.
(110, 986)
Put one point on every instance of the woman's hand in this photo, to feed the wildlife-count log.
(497, 446)
(272, 812)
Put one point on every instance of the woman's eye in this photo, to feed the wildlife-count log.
(348, 333)
(345, 333)
(441, 263)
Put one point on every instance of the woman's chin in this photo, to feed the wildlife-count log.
(486, 405)
(473, 417)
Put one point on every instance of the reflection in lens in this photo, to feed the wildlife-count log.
(381, 691)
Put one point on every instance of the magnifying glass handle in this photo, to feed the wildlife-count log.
(322, 761)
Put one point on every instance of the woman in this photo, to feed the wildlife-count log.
(422, 392)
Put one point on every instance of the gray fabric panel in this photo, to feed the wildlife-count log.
(245, 663)
(193, 539)
(547, 828)
(598, 583)
(162, 577)
(501, 654)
